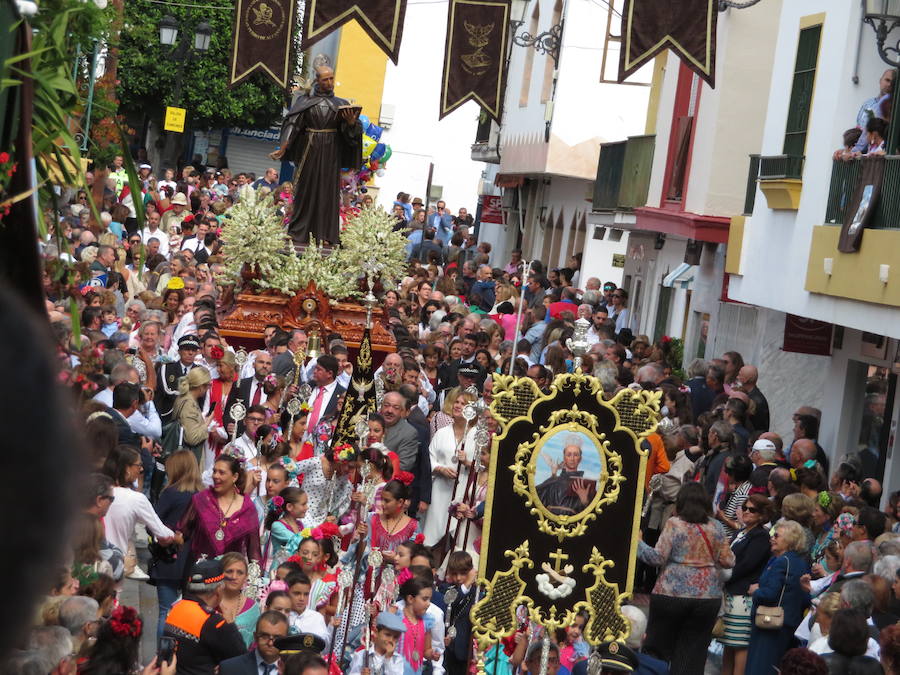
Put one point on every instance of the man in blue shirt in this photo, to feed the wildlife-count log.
(441, 221)
(269, 180)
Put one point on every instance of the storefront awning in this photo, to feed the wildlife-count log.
(682, 275)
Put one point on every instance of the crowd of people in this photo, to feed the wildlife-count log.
(266, 538)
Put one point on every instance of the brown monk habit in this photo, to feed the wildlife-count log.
(318, 140)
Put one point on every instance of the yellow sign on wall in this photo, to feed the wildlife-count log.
(175, 119)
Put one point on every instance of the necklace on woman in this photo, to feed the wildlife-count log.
(395, 525)
(220, 533)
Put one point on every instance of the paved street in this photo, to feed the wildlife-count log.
(142, 595)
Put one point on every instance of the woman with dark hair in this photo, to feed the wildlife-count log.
(688, 593)
(129, 506)
(483, 358)
(429, 308)
(172, 299)
(751, 553)
(678, 405)
(733, 362)
(737, 478)
(810, 481)
(779, 586)
(800, 661)
(848, 639)
(431, 358)
(116, 650)
(167, 573)
(221, 519)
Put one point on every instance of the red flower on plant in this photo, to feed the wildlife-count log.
(4, 157)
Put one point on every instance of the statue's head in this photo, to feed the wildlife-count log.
(325, 79)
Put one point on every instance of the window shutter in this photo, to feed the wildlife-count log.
(802, 91)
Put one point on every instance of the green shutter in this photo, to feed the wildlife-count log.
(802, 91)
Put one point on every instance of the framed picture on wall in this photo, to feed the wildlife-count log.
(874, 346)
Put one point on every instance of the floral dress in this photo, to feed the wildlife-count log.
(326, 496)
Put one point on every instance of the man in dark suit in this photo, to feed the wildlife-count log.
(264, 659)
(323, 400)
(170, 373)
(250, 389)
(421, 485)
(400, 436)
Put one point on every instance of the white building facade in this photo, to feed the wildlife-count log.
(784, 259)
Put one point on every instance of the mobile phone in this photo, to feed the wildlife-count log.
(166, 650)
(212, 407)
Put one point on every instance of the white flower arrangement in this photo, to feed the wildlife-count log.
(254, 236)
(369, 242)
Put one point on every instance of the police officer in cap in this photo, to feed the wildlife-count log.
(204, 639)
(170, 373)
(610, 658)
(301, 654)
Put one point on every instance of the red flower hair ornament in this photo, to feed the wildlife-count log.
(125, 622)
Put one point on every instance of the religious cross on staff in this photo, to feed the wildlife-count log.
(350, 579)
(237, 411)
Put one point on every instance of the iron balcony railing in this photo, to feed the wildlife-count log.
(779, 167)
(772, 167)
(844, 178)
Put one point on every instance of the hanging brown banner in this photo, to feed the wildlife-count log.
(687, 27)
(863, 203)
(475, 55)
(381, 19)
(262, 40)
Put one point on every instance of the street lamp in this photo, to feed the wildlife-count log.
(184, 52)
(884, 17)
(168, 30)
(202, 35)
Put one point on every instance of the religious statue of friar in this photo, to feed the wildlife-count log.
(321, 134)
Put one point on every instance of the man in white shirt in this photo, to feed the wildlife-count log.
(302, 619)
(152, 231)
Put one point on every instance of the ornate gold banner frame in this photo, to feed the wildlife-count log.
(563, 511)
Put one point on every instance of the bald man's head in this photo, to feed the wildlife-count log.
(325, 79)
(802, 451)
(748, 375)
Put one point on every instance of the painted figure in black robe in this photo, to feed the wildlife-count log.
(567, 492)
(320, 139)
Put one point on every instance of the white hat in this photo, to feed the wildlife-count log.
(179, 198)
(764, 444)
(145, 166)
